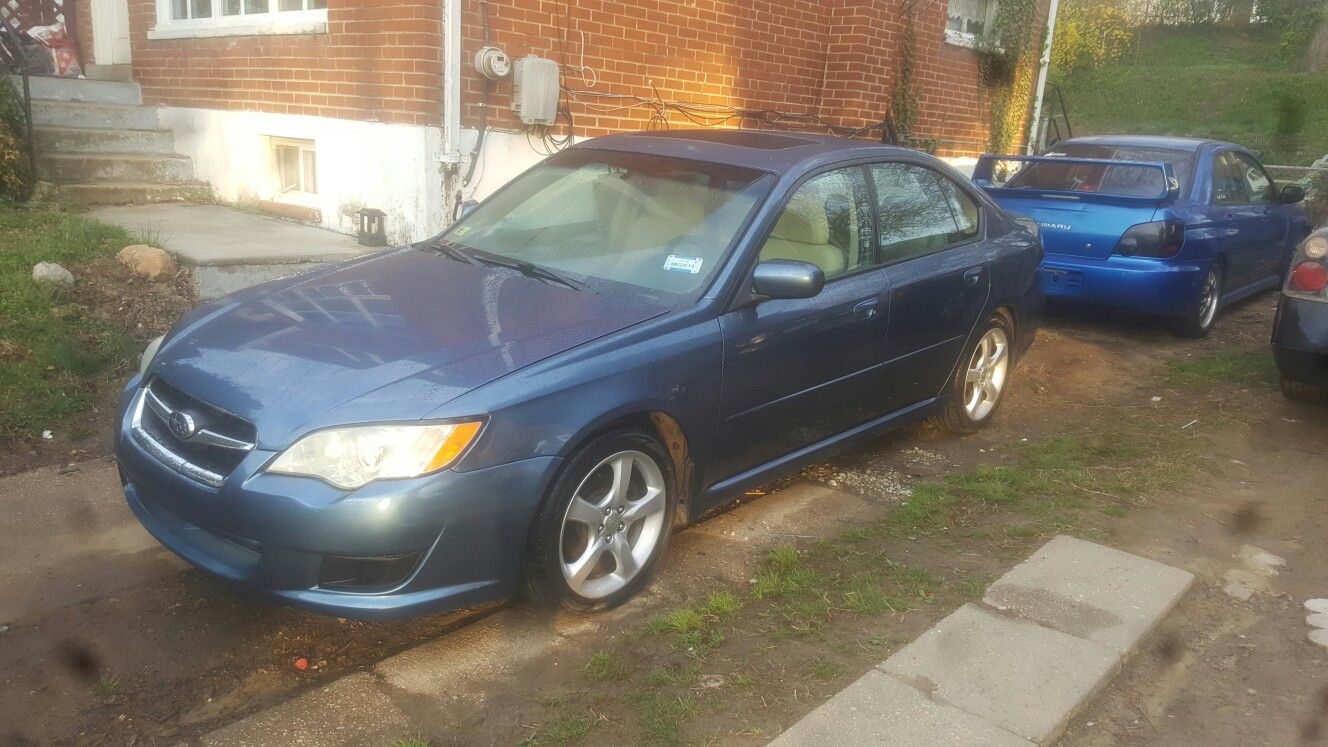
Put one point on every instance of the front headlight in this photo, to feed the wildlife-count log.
(350, 457)
(149, 353)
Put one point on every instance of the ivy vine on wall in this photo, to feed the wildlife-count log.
(1007, 67)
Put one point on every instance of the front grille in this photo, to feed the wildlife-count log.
(208, 450)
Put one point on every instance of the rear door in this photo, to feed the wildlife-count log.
(1270, 254)
(930, 234)
(797, 371)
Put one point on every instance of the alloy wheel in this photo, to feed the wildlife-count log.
(612, 524)
(1208, 301)
(985, 379)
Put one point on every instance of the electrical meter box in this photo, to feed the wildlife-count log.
(535, 90)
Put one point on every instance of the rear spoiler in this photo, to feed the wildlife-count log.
(983, 172)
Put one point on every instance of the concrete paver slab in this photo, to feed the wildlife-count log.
(353, 710)
(215, 235)
(1091, 591)
(1016, 674)
(878, 709)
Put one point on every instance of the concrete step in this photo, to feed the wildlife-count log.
(88, 140)
(77, 168)
(132, 193)
(124, 73)
(93, 116)
(82, 89)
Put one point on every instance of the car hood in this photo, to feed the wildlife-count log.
(390, 338)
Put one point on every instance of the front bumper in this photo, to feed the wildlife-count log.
(1300, 340)
(464, 531)
(1136, 284)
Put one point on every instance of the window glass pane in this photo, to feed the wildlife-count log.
(255, 6)
(317, 4)
(201, 8)
(1257, 183)
(1229, 185)
(310, 162)
(915, 214)
(179, 9)
(288, 167)
(231, 7)
(962, 207)
(824, 224)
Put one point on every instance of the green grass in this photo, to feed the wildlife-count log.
(692, 628)
(824, 670)
(662, 715)
(411, 741)
(565, 729)
(1227, 366)
(53, 352)
(1203, 82)
(605, 666)
(107, 687)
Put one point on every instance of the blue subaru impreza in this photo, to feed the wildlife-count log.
(621, 340)
(1163, 226)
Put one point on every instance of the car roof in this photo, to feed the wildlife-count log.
(769, 150)
(1168, 142)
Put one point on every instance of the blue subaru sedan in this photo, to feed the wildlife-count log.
(1162, 226)
(621, 340)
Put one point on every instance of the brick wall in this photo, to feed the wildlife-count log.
(380, 60)
(832, 59)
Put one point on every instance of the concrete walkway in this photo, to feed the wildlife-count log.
(1013, 670)
(229, 249)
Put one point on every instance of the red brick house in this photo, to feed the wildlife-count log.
(340, 104)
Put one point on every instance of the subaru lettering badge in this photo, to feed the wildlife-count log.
(182, 425)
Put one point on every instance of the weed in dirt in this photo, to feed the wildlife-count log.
(782, 572)
(1207, 370)
(605, 666)
(683, 676)
(824, 670)
(692, 627)
(107, 687)
(662, 715)
(414, 740)
(563, 730)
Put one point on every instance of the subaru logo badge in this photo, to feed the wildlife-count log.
(182, 425)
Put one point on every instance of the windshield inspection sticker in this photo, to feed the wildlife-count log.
(683, 264)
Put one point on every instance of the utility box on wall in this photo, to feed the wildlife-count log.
(535, 90)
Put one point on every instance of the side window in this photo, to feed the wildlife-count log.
(1229, 185)
(1257, 183)
(826, 223)
(920, 211)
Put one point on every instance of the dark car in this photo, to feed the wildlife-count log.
(1163, 226)
(621, 340)
(1300, 330)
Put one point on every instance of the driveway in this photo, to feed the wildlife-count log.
(111, 639)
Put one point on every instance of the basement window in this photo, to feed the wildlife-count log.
(178, 19)
(294, 167)
(968, 20)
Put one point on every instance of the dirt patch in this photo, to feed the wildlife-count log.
(110, 293)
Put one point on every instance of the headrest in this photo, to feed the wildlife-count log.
(804, 220)
(686, 202)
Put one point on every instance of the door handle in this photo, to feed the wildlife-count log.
(865, 310)
(972, 276)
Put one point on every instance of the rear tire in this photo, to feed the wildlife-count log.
(604, 524)
(1302, 392)
(1201, 319)
(978, 386)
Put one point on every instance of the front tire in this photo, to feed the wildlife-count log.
(604, 524)
(979, 382)
(1199, 322)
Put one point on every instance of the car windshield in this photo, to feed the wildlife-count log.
(1132, 181)
(610, 220)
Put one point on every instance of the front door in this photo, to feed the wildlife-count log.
(110, 32)
(797, 371)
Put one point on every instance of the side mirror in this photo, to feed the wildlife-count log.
(467, 207)
(1291, 193)
(787, 278)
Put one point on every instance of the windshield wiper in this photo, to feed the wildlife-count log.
(529, 269)
(448, 249)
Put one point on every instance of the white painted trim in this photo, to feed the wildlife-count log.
(255, 24)
(961, 39)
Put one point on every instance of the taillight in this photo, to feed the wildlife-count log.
(1161, 238)
(1309, 269)
(1309, 277)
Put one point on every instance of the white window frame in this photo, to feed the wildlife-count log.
(965, 38)
(304, 145)
(272, 22)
